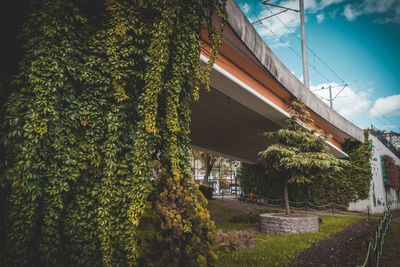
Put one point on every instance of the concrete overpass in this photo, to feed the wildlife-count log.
(250, 91)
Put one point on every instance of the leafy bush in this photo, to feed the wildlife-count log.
(207, 190)
(351, 185)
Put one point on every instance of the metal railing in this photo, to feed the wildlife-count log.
(306, 205)
(381, 137)
(374, 250)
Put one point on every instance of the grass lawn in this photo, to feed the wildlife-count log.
(224, 217)
(391, 256)
(272, 250)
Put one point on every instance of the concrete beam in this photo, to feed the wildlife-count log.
(229, 120)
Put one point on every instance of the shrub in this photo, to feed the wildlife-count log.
(351, 185)
(230, 241)
(207, 190)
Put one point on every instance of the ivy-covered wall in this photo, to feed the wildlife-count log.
(391, 172)
(100, 103)
(348, 186)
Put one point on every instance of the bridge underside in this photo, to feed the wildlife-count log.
(221, 125)
(230, 119)
(251, 89)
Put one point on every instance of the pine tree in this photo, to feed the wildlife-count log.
(300, 154)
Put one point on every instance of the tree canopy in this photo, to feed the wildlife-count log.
(300, 155)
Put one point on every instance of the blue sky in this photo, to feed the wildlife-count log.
(359, 40)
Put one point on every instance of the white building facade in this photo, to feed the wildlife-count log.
(379, 194)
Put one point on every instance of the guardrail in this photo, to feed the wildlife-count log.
(262, 200)
(374, 251)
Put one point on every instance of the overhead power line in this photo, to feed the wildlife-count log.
(316, 70)
(283, 42)
(270, 16)
(286, 8)
(329, 68)
(309, 48)
(274, 34)
(330, 99)
(267, 17)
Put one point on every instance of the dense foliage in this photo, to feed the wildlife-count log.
(392, 175)
(358, 174)
(342, 188)
(300, 155)
(101, 101)
(206, 190)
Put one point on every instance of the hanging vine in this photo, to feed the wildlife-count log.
(103, 91)
(179, 208)
(40, 140)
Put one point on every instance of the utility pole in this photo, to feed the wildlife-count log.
(303, 35)
(304, 46)
(330, 99)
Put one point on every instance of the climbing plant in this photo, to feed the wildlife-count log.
(391, 172)
(359, 170)
(101, 102)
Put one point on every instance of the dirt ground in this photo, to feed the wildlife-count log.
(340, 249)
(344, 248)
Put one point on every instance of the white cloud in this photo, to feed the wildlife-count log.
(378, 6)
(386, 105)
(278, 28)
(333, 13)
(289, 18)
(325, 3)
(245, 8)
(348, 103)
(393, 19)
(279, 44)
(390, 8)
(350, 13)
(320, 17)
(300, 78)
(310, 5)
(315, 6)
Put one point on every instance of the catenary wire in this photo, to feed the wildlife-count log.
(320, 59)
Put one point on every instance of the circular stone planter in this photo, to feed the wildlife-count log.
(280, 223)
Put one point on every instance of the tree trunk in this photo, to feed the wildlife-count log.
(286, 197)
(210, 165)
